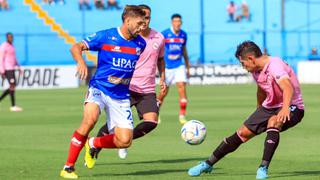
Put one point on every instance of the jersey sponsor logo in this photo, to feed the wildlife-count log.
(112, 38)
(138, 50)
(174, 47)
(121, 49)
(96, 93)
(123, 63)
(292, 108)
(173, 57)
(155, 46)
(174, 40)
(117, 80)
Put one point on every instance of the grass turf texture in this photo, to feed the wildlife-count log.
(34, 143)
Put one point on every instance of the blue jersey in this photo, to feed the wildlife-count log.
(117, 58)
(174, 45)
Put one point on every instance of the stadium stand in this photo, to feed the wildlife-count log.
(39, 44)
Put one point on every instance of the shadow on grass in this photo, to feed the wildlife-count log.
(296, 173)
(141, 173)
(147, 172)
(157, 161)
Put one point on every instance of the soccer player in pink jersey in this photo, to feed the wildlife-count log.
(142, 87)
(279, 107)
(8, 64)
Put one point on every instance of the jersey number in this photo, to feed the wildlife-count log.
(129, 115)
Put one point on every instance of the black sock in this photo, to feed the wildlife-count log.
(13, 99)
(143, 128)
(102, 131)
(227, 146)
(270, 145)
(4, 94)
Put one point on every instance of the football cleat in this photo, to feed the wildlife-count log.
(90, 156)
(68, 173)
(122, 153)
(202, 167)
(16, 109)
(182, 119)
(262, 172)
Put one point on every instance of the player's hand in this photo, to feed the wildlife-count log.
(163, 86)
(283, 115)
(82, 70)
(188, 73)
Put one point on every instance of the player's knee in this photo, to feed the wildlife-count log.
(245, 134)
(273, 123)
(123, 142)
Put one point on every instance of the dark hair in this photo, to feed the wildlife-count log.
(132, 11)
(247, 47)
(9, 33)
(144, 6)
(176, 16)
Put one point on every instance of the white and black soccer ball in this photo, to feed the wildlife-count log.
(193, 132)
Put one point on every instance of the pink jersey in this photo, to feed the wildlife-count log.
(268, 80)
(8, 59)
(144, 76)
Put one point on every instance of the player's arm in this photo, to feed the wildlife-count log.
(287, 89)
(261, 96)
(161, 70)
(76, 51)
(2, 53)
(186, 60)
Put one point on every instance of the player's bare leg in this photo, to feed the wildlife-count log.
(79, 137)
(160, 99)
(270, 146)
(182, 101)
(149, 123)
(227, 146)
(122, 138)
(161, 96)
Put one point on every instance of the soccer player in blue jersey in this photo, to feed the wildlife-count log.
(118, 51)
(177, 71)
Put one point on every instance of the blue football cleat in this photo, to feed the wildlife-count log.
(202, 167)
(262, 172)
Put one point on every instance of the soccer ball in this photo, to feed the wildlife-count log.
(193, 132)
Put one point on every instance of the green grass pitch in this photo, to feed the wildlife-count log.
(34, 143)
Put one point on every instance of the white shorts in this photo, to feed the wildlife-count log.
(175, 75)
(118, 111)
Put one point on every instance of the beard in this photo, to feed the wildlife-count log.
(132, 34)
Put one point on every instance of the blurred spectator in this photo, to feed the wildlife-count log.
(45, 2)
(53, 2)
(244, 12)
(314, 55)
(84, 4)
(99, 4)
(4, 5)
(113, 4)
(61, 2)
(231, 9)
